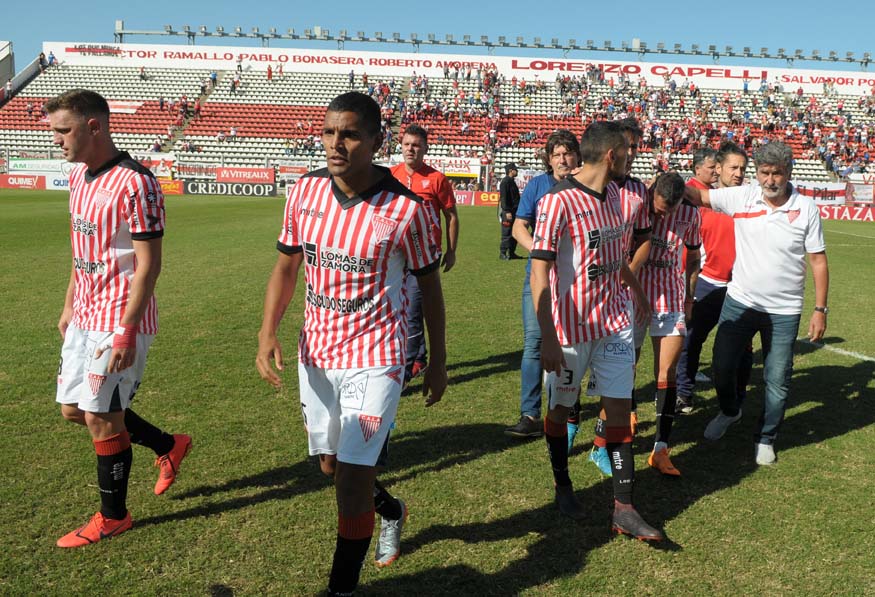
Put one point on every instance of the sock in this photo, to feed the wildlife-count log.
(622, 464)
(599, 440)
(666, 397)
(386, 506)
(144, 433)
(114, 456)
(353, 540)
(557, 447)
(574, 415)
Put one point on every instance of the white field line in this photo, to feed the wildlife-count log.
(849, 234)
(847, 353)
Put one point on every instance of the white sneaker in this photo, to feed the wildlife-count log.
(765, 454)
(719, 424)
(702, 378)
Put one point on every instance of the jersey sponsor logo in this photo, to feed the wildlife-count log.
(383, 227)
(792, 214)
(542, 217)
(416, 244)
(151, 197)
(153, 220)
(594, 270)
(336, 259)
(311, 212)
(369, 424)
(95, 382)
(83, 226)
(660, 263)
(339, 305)
(583, 214)
(663, 243)
(539, 239)
(89, 267)
(601, 236)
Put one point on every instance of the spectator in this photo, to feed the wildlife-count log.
(51, 58)
(269, 73)
(232, 134)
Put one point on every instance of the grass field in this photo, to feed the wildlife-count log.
(251, 514)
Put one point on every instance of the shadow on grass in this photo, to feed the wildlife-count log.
(411, 454)
(844, 404)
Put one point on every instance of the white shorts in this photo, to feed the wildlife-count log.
(83, 379)
(611, 361)
(348, 412)
(662, 324)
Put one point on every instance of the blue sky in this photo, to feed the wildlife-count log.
(773, 25)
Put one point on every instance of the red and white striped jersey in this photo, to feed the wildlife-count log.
(582, 231)
(633, 199)
(109, 209)
(662, 276)
(356, 253)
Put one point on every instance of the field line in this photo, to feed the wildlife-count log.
(849, 234)
(847, 353)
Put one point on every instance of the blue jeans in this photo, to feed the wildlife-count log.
(530, 368)
(416, 347)
(706, 313)
(737, 327)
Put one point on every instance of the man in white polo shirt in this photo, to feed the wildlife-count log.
(775, 229)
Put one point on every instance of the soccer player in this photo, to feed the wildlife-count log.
(356, 231)
(718, 256)
(633, 196)
(110, 316)
(667, 284)
(437, 193)
(578, 263)
(562, 153)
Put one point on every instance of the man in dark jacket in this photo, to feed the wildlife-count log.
(509, 199)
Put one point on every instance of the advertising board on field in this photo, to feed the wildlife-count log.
(486, 198)
(22, 181)
(262, 175)
(848, 213)
(464, 197)
(171, 187)
(236, 189)
(40, 166)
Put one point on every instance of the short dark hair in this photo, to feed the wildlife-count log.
(630, 125)
(728, 148)
(82, 102)
(561, 138)
(706, 153)
(670, 187)
(416, 131)
(598, 139)
(361, 105)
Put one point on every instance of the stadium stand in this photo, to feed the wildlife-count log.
(483, 115)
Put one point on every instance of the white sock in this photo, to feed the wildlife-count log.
(659, 446)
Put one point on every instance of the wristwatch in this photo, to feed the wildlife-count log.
(824, 310)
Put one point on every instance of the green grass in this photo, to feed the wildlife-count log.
(251, 514)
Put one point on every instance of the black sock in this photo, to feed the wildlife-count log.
(623, 469)
(349, 554)
(557, 448)
(665, 407)
(386, 506)
(574, 415)
(144, 433)
(600, 432)
(114, 456)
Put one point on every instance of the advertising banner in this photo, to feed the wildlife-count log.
(264, 175)
(171, 187)
(848, 213)
(237, 189)
(655, 73)
(486, 198)
(22, 181)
